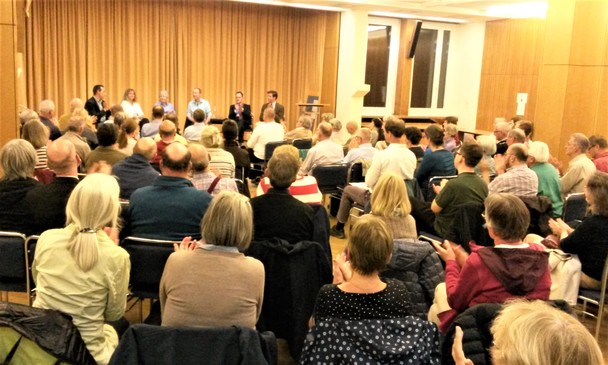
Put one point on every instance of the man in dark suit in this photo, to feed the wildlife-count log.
(279, 110)
(241, 114)
(95, 106)
(46, 203)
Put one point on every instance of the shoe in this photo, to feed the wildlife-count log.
(334, 231)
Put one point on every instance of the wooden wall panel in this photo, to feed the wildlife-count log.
(552, 88)
(329, 82)
(589, 36)
(512, 56)
(404, 68)
(6, 12)
(8, 92)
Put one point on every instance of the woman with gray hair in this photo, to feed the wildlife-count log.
(487, 163)
(79, 270)
(548, 177)
(212, 283)
(18, 161)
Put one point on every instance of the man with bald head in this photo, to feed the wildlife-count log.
(135, 171)
(46, 203)
(202, 177)
(514, 175)
(171, 208)
(46, 111)
(324, 152)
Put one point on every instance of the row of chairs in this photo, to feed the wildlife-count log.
(16, 258)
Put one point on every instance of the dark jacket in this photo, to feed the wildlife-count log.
(93, 109)
(408, 340)
(416, 264)
(468, 225)
(13, 211)
(541, 210)
(146, 344)
(294, 275)
(241, 158)
(46, 204)
(51, 330)
(133, 173)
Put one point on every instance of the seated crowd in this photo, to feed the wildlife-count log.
(184, 189)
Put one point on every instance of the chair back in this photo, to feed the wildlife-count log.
(436, 180)
(13, 275)
(242, 187)
(597, 297)
(30, 252)
(270, 147)
(302, 144)
(330, 177)
(575, 207)
(148, 259)
(356, 172)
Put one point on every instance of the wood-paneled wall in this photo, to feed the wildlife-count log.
(8, 86)
(511, 60)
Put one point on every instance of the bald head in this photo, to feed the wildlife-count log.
(269, 115)
(62, 158)
(167, 130)
(324, 131)
(176, 160)
(200, 157)
(145, 147)
(352, 127)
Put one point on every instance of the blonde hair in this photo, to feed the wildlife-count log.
(92, 206)
(18, 160)
(390, 198)
(210, 137)
(35, 133)
(527, 333)
(289, 149)
(228, 221)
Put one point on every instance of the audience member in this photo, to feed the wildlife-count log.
(73, 134)
(171, 208)
(351, 128)
(440, 162)
(193, 132)
(580, 166)
(168, 134)
(510, 269)
(18, 161)
(364, 151)
(131, 107)
(598, 151)
(151, 129)
(197, 103)
(118, 119)
(75, 103)
(358, 292)
(24, 117)
(267, 131)
(80, 271)
(46, 203)
(548, 177)
(241, 114)
(590, 239)
(413, 135)
(38, 135)
(211, 283)
(135, 171)
(514, 175)
(305, 188)
(129, 133)
(46, 110)
(325, 152)
(163, 100)
(449, 139)
(221, 160)
(241, 157)
(377, 131)
(302, 130)
(527, 127)
(107, 151)
(486, 168)
(271, 103)
(277, 213)
(396, 158)
(391, 204)
(516, 136)
(202, 177)
(501, 130)
(95, 105)
(466, 188)
(89, 133)
(337, 136)
(527, 333)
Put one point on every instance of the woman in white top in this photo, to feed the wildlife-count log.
(79, 270)
(130, 106)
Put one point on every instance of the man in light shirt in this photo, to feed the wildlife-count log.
(325, 152)
(268, 131)
(197, 103)
(364, 151)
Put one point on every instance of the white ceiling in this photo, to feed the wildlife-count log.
(464, 10)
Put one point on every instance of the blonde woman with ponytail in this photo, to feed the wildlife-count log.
(79, 270)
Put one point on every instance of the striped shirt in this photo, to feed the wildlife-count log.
(305, 189)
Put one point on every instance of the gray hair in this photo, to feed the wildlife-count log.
(18, 160)
(539, 150)
(228, 221)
